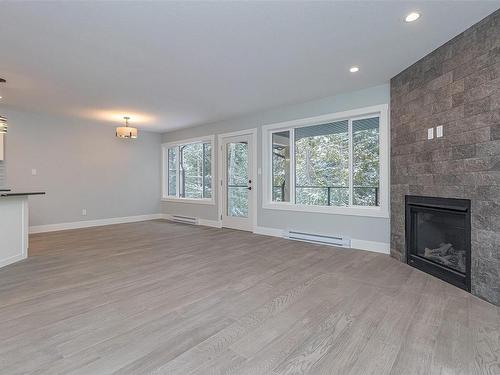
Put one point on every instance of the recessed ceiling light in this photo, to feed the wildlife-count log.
(413, 16)
(354, 69)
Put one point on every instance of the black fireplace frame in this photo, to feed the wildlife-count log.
(452, 276)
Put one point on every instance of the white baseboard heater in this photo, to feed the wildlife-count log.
(318, 238)
(184, 219)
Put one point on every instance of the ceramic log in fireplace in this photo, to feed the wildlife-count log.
(438, 237)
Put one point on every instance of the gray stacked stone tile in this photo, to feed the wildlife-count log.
(457, 86)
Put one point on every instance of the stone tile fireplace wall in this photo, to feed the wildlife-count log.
(457, 86)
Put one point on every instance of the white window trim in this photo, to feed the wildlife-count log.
(381, 211)
(164, 171)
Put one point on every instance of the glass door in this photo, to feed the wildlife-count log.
(237, 183)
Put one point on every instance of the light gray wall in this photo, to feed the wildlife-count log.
(361, 228)
(2, 164)
(3, 181)
(81, 164)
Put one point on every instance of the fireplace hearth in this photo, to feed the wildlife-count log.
(438, 237)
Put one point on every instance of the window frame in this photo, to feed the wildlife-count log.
(165, 170)
(384, 152)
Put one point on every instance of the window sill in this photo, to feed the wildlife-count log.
(189, 200)
(348, 211)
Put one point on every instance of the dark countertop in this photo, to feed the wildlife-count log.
(15, 193)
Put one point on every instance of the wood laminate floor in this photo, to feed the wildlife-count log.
(163, 298)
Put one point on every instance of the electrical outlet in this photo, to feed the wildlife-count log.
(84, 212)
(34, 172)
(430, 133)
(439, 131)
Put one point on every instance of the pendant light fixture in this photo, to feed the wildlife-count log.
(3, 119)
(126, 131)
(3, 125)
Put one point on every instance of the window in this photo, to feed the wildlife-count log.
(172, 172)
(365, 162)
(334, 163)
(322, 164)
(281, 166)
(188, 167)
(237, 179)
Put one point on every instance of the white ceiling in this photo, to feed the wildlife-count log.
(179, 64)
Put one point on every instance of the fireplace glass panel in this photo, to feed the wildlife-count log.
(441, 238)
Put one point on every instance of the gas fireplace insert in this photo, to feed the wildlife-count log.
(438, 237)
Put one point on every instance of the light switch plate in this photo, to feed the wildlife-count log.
(430, 133)
(34, 172)
(439, 131)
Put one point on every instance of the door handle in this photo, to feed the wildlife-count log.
(249, 188)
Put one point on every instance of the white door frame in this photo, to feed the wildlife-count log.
(220, 162)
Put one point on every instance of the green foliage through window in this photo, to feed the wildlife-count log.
(191, 166)
(237, 178)
(322, 164)
(281, 166)
(172, 172)
(327, 158)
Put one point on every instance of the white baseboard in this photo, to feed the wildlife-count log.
(265, 231)
(14, 259)
(210, 223)
(92, 223)
(378, 247)
(204, 222)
